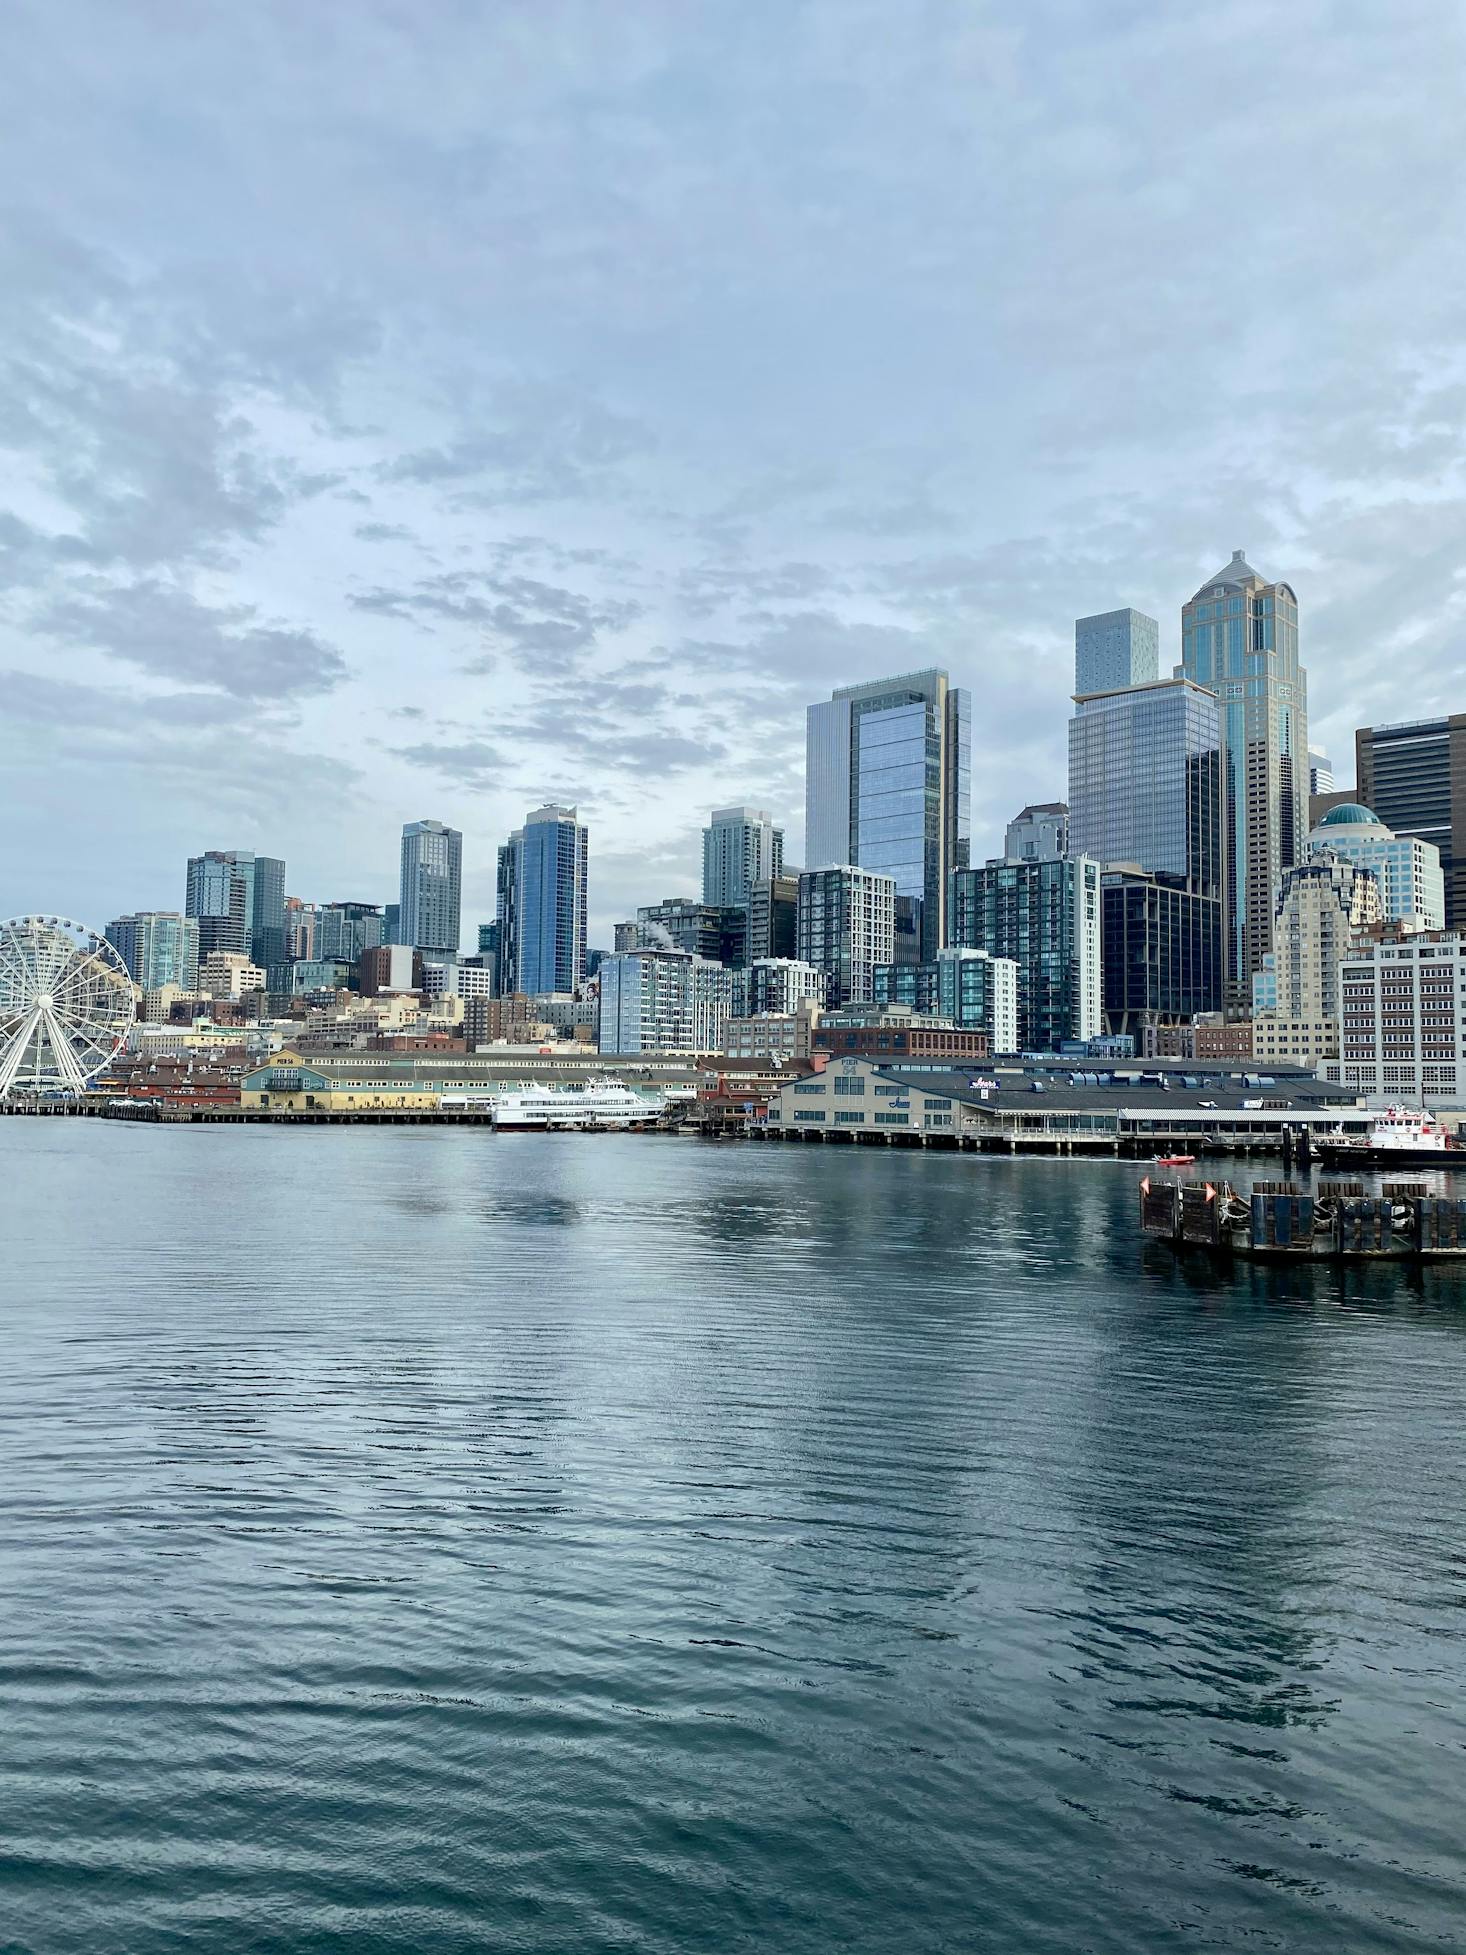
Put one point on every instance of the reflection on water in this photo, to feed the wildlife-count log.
(423, 1541)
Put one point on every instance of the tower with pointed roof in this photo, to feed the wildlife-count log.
(1239, 638)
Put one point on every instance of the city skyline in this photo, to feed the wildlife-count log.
(440, 509)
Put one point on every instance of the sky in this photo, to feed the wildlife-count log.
(431, 410)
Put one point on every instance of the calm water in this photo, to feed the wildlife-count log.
(424, 1542)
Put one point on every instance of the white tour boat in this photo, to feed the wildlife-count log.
(609, 1107)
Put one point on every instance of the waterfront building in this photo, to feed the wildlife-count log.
(1411, 882)
(782, 984)
(1320, 772)
(430, 901)
(542, 878)
(159, 947)
(1039, 833)
(229, 974)
(1161, 943)
(1402, 1022)
(344, 930)
(773, 916)
(846, 926)
(740, 847)
(1116, 648)
(1045, 917)
(888, 789)
(1413, 775)
(894, 1033)
(1145, 781)
(238, 899)
(970, 989)
(662, 1000)
(1239, 639)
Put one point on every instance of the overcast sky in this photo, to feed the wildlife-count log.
(415, 407)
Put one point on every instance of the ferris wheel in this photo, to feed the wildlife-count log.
(66, 1003)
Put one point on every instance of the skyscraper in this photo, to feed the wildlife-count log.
(888, 787)
(541, 894)
(1239, 638)
(345, 930)
(1116, 648)
(1320, 772)
(846, 926)
(740, 846)
(429, 909)
(1144, 779)
(158, 947)
(1407, 869)
(239, 900)
(1413, 775)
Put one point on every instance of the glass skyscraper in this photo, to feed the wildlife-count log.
(1116, 648)
(888, 787)
(542, 872)
(1239, 638)
(1144, 780)
(158, 947)
(429, 910)
(1045, 916)
(239, 900)
(1413, 776)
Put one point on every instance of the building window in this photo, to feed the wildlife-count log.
(893, 1119)
(850, 1117)
(811, 1086)
(809, 1113)
(850, 1086)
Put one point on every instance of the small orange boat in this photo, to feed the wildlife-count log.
(1175, 1160)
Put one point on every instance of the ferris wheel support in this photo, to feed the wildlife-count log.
(66, 1004)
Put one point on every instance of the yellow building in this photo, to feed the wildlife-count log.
(290, 1084)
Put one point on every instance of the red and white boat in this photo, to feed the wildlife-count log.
(1175, 1160)
(1399, 1137)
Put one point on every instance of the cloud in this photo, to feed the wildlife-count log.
(472, 764)
(170, 634)
(529, 620)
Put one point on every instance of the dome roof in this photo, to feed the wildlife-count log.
(1351, 814)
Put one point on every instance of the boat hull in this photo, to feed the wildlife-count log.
(1389, 1157)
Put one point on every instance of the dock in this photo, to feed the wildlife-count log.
(1279, 1221)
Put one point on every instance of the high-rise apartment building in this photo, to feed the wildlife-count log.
(541, 893)
(158, 947)
(344, 930)
(966, 988)
(717, 932)
(1116, 648)
(782, 984)
(740, 847)
(238, 898)
(1239, 638)
(430, 901)
(773, 917)
(1145, 781)
(1324, 906)
(888, 788)
(1414, 778)
(846, 926)
(1408, 870)
(1045, 916)
(1038, 833)
(662, 1001)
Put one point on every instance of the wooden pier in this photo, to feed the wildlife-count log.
(1278, 1221)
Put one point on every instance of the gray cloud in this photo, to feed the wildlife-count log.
(472, 764)
(168, 633)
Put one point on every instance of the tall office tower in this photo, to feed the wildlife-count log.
(773, 913)
(1323, 906)
(391, 923)
(429, 910)
(1408, 870)
(1162, 952)
(1116, 648)
(267, 920)
(158, 947)
(888, 787)
(1145, 781)
(1045, 916)
(345, 930)
(1414, 778)
(220, 892)
(541, 895)
(1239, 638)
(740, 847)
(846, 926)
(1040, 833)
(1320, 772)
